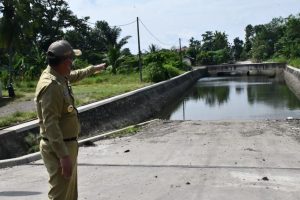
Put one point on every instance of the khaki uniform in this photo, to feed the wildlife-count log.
(58, 119)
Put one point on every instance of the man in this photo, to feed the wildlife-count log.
(58, 119)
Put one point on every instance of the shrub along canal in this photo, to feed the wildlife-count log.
(245, 97)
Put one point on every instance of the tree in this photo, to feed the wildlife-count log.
(126, 52)
(237, 48)
(220, 41)
(14, 25)
(28, 27)
(153, 48)
(265, 38)
(248, 39)
(207, 41)
(289, 44)
(194, 49)
(109, 37)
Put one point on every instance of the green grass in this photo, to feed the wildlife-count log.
(91, 89)
(104, 86)
(278, 60)
(124, 133)
(16, 118)
(24, 90)
(294, 62)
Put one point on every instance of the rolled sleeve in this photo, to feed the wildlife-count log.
(51, 104)
(80, 74)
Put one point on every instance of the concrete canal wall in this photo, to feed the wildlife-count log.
(123, 110)
(292, 79)
(264, 69)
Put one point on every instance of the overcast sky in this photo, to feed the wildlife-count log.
(169, 20)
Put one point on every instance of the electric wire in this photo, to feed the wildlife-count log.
(127, 24)
(146, 28)
(156, 38)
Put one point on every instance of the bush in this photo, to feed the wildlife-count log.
(171, 71)
(129, 64)
(79, 63)
(155, 72)
(205, 58)
(155, 57)
(213, 57)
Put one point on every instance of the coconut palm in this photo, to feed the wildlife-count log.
(112, 45)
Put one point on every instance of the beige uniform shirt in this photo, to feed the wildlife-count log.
(58, 117)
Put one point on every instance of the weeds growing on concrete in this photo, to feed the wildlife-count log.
(33, 141)
(124, 133)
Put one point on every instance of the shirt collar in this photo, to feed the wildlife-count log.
(56, 74)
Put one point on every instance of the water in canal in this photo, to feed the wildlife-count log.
(221, 98)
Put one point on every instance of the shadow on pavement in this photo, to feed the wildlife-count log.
(18, 193)
(4, 101)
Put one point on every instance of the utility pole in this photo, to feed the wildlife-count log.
(180, 54)
(139, 49)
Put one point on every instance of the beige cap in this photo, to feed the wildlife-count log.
(62, 48)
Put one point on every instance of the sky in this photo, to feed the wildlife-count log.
(169, 20)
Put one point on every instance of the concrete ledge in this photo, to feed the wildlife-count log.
(292, 79)
(244, 68)
(37, 156)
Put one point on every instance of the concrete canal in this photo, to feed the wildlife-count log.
(244, 97)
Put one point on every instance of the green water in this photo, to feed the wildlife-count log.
(221, 98)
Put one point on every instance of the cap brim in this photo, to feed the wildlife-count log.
(77, 52)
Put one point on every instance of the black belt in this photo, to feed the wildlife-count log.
(66, 139)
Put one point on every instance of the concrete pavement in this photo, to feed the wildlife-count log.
(179, 160)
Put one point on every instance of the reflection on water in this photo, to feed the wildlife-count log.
(235, 98)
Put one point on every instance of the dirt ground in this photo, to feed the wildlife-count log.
(8, 107)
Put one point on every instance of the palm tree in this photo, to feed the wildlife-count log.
(153, 48)
(112, 46)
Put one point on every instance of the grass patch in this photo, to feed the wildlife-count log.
(16, 118)
(124, 133)
(295, 62)
(278, 60)
(104, 86)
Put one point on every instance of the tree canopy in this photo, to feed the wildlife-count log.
(28, 27)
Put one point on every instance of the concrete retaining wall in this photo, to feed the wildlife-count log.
(292, 79)
(243, 69)
(123, 110)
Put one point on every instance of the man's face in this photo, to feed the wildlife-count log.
(67, 66)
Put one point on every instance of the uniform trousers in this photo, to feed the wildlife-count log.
(60, 187)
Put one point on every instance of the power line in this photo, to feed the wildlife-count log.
(163, 43)
(115, 25)
(127, 23)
